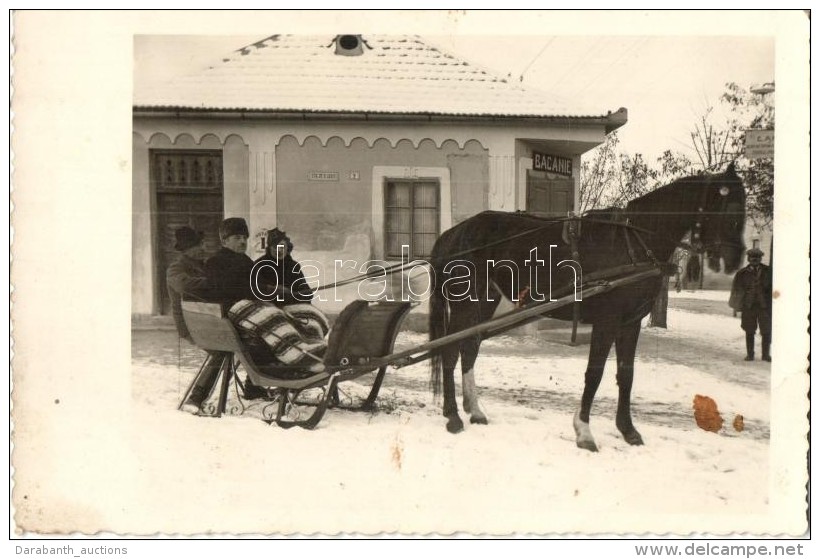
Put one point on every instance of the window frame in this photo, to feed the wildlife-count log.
(382, 172)
(413, 183)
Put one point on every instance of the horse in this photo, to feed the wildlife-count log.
(474, 264)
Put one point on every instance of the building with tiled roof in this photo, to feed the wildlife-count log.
(357, 144)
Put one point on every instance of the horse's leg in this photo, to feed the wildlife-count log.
(459, 319)
(625, 345)
(603, 334)
(469, 354)
(449, 358)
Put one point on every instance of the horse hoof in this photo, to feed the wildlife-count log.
(587, 444)
(583, 436)
(479, 420)
(455, 425)
(633, 438)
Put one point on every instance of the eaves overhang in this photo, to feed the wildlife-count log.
(611, 121)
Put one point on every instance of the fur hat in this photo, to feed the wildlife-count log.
(754, 252)
(187, 238)
(233, 226)
(275, 237)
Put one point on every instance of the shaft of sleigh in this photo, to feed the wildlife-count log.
(508, 320)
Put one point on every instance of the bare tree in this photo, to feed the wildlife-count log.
(712, 144)
(598, 174)
(718, 143)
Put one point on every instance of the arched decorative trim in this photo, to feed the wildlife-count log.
(383, 143)
(469, 143)
(137, 137)
(335, 140)
(233, 138)
(160, 139)
(382, 172)
(427, 142)
(325, 139)
(185, 140)
(358, 140)
(210, 141)
(404, 142)
(446, 143)
(211, 138)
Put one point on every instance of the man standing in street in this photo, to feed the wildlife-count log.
(752, 296)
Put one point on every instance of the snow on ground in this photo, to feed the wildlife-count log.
(703, 294)
(398, 470)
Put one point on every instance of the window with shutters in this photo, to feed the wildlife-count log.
(412, 217)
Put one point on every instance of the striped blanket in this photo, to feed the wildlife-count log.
(291, 332)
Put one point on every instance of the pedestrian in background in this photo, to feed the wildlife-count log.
(752, 296)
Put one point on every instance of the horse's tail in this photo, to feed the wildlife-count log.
(437, 328)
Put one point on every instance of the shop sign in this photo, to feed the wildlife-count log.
(759, 144)
(552, 163)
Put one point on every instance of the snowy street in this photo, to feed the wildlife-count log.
(399, 470)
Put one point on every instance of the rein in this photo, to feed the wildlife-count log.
(397, 268)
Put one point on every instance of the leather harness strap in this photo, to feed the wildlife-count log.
(630, 251)
(574, 231)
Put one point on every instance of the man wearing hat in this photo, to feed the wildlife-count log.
(186, 275)
(229, 270)
(752, 296)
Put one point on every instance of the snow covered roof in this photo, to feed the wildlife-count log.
(373, 74)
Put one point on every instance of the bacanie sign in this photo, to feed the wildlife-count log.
(552, 163)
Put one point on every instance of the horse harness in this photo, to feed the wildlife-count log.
(571, 234)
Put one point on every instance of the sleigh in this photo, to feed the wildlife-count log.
(363, 335)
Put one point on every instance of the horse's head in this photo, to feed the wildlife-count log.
(721, 219)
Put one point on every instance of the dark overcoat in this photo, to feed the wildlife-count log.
(185, 278)
(752, 288)
(229, 277)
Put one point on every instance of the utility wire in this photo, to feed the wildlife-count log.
(537, 56)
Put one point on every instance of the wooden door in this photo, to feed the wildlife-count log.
(188, 187)
(550, 197)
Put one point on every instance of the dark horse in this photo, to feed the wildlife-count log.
(514, 255)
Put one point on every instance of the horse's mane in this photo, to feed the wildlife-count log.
(674, 194)
(671, 194)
